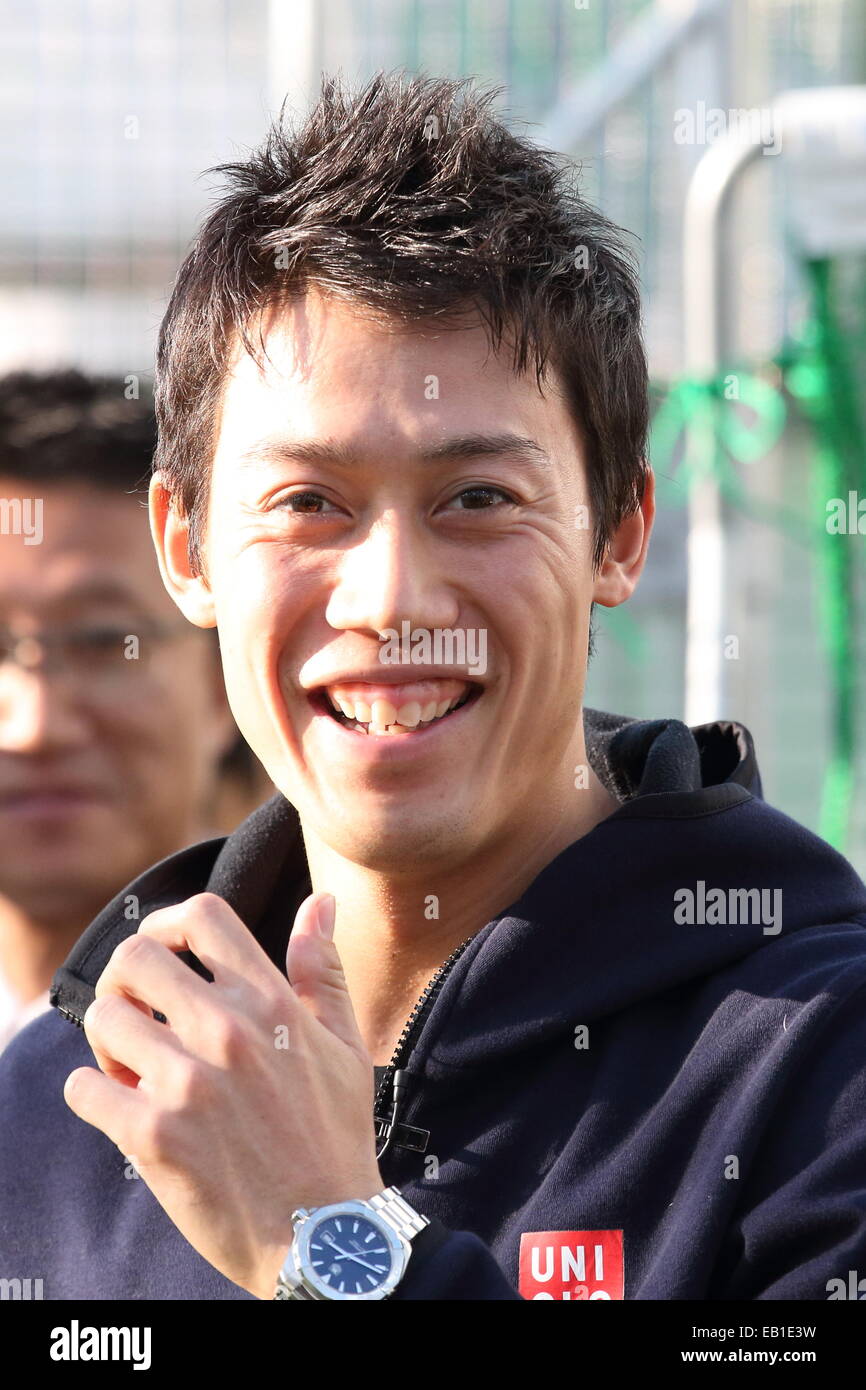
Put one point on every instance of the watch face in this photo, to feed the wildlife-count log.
(349, 1254)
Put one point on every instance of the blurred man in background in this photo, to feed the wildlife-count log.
(93, 788)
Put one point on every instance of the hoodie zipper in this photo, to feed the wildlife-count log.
(67, 1013)
(395, 1077)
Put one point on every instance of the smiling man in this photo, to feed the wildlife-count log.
(342, 502)
(431, 1024)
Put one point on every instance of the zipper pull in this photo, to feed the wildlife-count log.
(410, 1137)
(398, 1086)
(398, 1092)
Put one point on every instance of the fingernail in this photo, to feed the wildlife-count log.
(326, 913)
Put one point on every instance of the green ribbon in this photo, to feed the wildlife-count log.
(713, 427)
(707, 418)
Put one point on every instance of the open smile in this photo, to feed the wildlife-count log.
(411, 710)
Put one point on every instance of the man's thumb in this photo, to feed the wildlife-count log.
(314, 969)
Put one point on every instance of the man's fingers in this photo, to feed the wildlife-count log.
(101, 1101)
(207, 926)
(149, 974)
(127, 1044)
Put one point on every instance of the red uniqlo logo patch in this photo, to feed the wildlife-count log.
(571, 1264)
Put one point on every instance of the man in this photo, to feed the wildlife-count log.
(93, 788)
(390, 392)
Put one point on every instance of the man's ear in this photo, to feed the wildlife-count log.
(624, 559)
(170, 532)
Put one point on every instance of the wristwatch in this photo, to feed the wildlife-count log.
(350, 1250)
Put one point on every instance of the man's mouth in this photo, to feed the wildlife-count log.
(394, 709)
(53, 800)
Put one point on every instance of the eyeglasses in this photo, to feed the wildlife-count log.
(104, 652)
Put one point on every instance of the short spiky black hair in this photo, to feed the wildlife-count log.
(410, 200)
(65, 426)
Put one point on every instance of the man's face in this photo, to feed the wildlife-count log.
(309, 559)
(103, 763)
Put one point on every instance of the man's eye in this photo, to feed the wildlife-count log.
(306, 503)
(99, 641)
(482, 498)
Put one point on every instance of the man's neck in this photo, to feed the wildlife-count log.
(394, 931)
(32, 946)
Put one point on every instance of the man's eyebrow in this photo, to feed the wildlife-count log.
(332, 451)
(90, 593)
(87, 593)
(98, 591)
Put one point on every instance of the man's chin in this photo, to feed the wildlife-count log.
(399, 844)
(69, 892)
(88, 859)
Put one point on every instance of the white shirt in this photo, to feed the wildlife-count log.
(15, 1012)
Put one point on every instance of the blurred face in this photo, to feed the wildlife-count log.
(104, 758)
(369, 478)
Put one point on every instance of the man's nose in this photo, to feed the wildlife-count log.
(389, 577)
(37, 713)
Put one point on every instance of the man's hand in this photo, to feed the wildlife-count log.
(255, 1098)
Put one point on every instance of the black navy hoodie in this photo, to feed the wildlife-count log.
(646, 1079)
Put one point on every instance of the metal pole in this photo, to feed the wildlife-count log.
(707, 195)
(648, 42)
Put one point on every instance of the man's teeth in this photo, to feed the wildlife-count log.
(381, 716)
